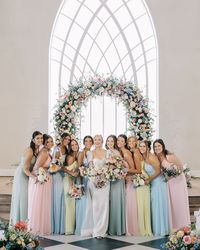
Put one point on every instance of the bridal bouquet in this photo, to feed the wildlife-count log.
(98, 175)
(138, 180)
(116, 168)
(183, 239)
(42, 176)
(18, 237)
(53, 168)
(171, 171)
(76, 191)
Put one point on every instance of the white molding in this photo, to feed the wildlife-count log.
(195, 173)
(7, 171)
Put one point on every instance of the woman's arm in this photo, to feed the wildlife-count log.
(138, 160)
(128, 158)
(172, 158)
(80, 159)
(28, 155)
(70, 161)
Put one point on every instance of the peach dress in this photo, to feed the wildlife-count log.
(39, 203)
(178, 196)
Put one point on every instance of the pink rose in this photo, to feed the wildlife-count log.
(187, 239)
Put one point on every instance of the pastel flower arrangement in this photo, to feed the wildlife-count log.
(76, 191)
(138, 180)
(116, 168)
(171, 171)
(68, 108)
(18, 237)
(42, 176)
(183, 239)
(98, 175)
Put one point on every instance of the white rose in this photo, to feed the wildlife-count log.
(141, 182)
(132, 104)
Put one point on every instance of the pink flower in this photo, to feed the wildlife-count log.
(187, 230)
(187, 239)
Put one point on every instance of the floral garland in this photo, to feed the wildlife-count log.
(67, 114)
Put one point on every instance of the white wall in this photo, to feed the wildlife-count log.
(25, 28)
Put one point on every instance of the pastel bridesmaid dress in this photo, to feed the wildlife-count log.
(159, 203)
(39, 203)
(132, 227)
(117, 223)
(178, 196)
(19, 202)
(58, 199)
(70, 204)
(82, 202)
(144, 207)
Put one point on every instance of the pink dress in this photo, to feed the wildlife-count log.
(39, 203)
(178, 196)
(132, 227)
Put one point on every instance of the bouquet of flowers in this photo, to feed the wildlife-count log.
(138, 180)
(76, 191)
(42, 176)
(83, 171)
(188, 176)
(98, 175)
(171, 171)
(116, 168)
(18, 237)
(53, 168)
(183, 239)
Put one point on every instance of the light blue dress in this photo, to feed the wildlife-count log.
(82, 202)
(159, 203)
(58, 202)
(19, 202)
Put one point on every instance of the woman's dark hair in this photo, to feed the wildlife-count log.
(70, 147)
(32, 144)
(45, 138)
(160, 141)
(88, 137)
(63, 136)
(125, 139)
(115, 141)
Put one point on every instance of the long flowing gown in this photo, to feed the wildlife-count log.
(19, 203)
(58, 200)
(178, 196)
(39, 202)
(144, 207)
(117, 224)
(159, 203)
(70, 205)
(132, 227)
(97, 213)
(82, 202)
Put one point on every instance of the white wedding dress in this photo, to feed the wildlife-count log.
(97, 209)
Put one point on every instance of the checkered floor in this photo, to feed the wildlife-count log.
(72, 242)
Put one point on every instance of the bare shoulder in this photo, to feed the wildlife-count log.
(127, 153)
(28, 152)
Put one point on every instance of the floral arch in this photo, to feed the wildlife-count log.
(68, 108)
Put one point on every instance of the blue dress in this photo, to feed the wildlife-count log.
(58, 202)
(19, 203)
(159, 203)
(82, 202)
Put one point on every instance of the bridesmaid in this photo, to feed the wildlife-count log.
(177, 188)
(98, 212)
(82, 202)
(143, 198)
(117, 225)
(69, 180)
(39, 199)
(131, 199)
(58, 201)
(159, 199)
(19, 203)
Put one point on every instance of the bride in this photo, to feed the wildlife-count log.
(97, 212)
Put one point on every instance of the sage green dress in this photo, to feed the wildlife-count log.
(117, 222)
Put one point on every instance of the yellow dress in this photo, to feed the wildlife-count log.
(144, 207)
(70, 209)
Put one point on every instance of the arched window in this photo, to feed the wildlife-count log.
(103, 36)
